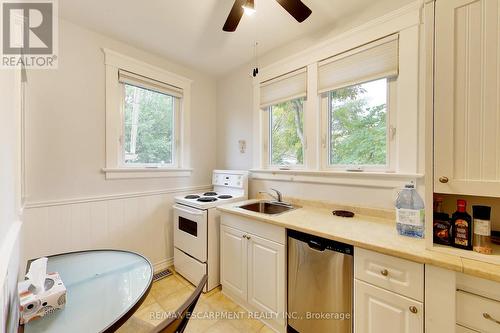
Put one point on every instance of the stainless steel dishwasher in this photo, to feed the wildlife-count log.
(320, 285)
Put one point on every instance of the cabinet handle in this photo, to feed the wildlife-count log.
(384, 272)
(244, 236)
(443, 179)
(487, 316)
(413, 309)
(248, 237)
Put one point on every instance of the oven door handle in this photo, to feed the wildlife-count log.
(179, 208)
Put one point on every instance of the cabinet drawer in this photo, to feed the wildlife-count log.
(398, 275)
(264, 230)
(472, 310)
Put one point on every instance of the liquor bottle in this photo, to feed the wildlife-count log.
(441, 223)
(462, 227)
(482, 229)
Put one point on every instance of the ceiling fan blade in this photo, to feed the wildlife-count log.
(234, 16)
(296, 8)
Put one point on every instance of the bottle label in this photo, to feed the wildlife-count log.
(413, 217)
(461, 232)
(482, 227)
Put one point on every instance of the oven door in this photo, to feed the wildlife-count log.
(190, 231)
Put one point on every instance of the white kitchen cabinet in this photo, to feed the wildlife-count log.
(233, 262)
(253, 267)
(467, 95)
(266, 278)
(377, 310)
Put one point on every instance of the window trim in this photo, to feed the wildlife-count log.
(390, 132)
(115, 168)
(408, 154)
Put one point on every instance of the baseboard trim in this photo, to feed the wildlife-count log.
(163, 264)
(63, 202)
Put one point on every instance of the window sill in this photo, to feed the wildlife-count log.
(126, 173)
(362, 179)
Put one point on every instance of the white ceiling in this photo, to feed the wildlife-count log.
(190, 31)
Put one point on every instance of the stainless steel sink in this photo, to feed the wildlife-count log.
(270, 208)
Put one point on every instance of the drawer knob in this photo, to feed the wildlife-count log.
(413, 309)
(443, 179)
(384, 272)
(487, 316)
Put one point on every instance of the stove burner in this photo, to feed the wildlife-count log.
(225, 196)
(210, 194)
(191, 196)
(207, 199)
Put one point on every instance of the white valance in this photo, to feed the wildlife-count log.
(147, 83)
(283, 88)
(365, 63)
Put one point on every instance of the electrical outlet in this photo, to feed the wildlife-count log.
(243, 146)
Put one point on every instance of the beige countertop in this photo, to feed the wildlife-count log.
(372, 233)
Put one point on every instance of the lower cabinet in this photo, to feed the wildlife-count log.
(234, 261)
(388, 294)
(253, 267)
(378, 310)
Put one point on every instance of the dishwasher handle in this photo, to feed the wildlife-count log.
(316, 245)
(321, 244)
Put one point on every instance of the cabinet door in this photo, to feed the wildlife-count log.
(377, 310)
(466, 105)
(266, 275)
(234, 261)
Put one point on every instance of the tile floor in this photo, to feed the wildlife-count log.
(214, 312)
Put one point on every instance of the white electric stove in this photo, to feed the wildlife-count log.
(196, 226)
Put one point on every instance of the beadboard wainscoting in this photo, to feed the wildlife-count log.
(139, 222)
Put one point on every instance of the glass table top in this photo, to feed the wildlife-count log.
(101, 287)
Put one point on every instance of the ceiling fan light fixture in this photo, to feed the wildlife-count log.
(249, 7)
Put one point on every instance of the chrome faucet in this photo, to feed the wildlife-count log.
(278, 197)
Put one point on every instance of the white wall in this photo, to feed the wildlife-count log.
(66, 127)
(9, 204)
(235, 116)
(70, 205)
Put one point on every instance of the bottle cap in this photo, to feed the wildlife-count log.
(481, 212)
(461, 205)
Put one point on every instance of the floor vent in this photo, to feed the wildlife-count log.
(162, 274)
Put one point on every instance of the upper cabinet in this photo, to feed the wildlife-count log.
(467, 97)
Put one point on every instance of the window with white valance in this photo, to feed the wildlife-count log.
(147, 113)
(282, 99)
(356, 92)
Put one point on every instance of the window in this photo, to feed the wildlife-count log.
(149, 127)
(349, 118)
(147, 120)
(282, 102)
(358, 125)
(286, 135)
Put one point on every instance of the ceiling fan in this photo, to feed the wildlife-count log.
(296, 8)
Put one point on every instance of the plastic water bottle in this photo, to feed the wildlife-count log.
(410, 212)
